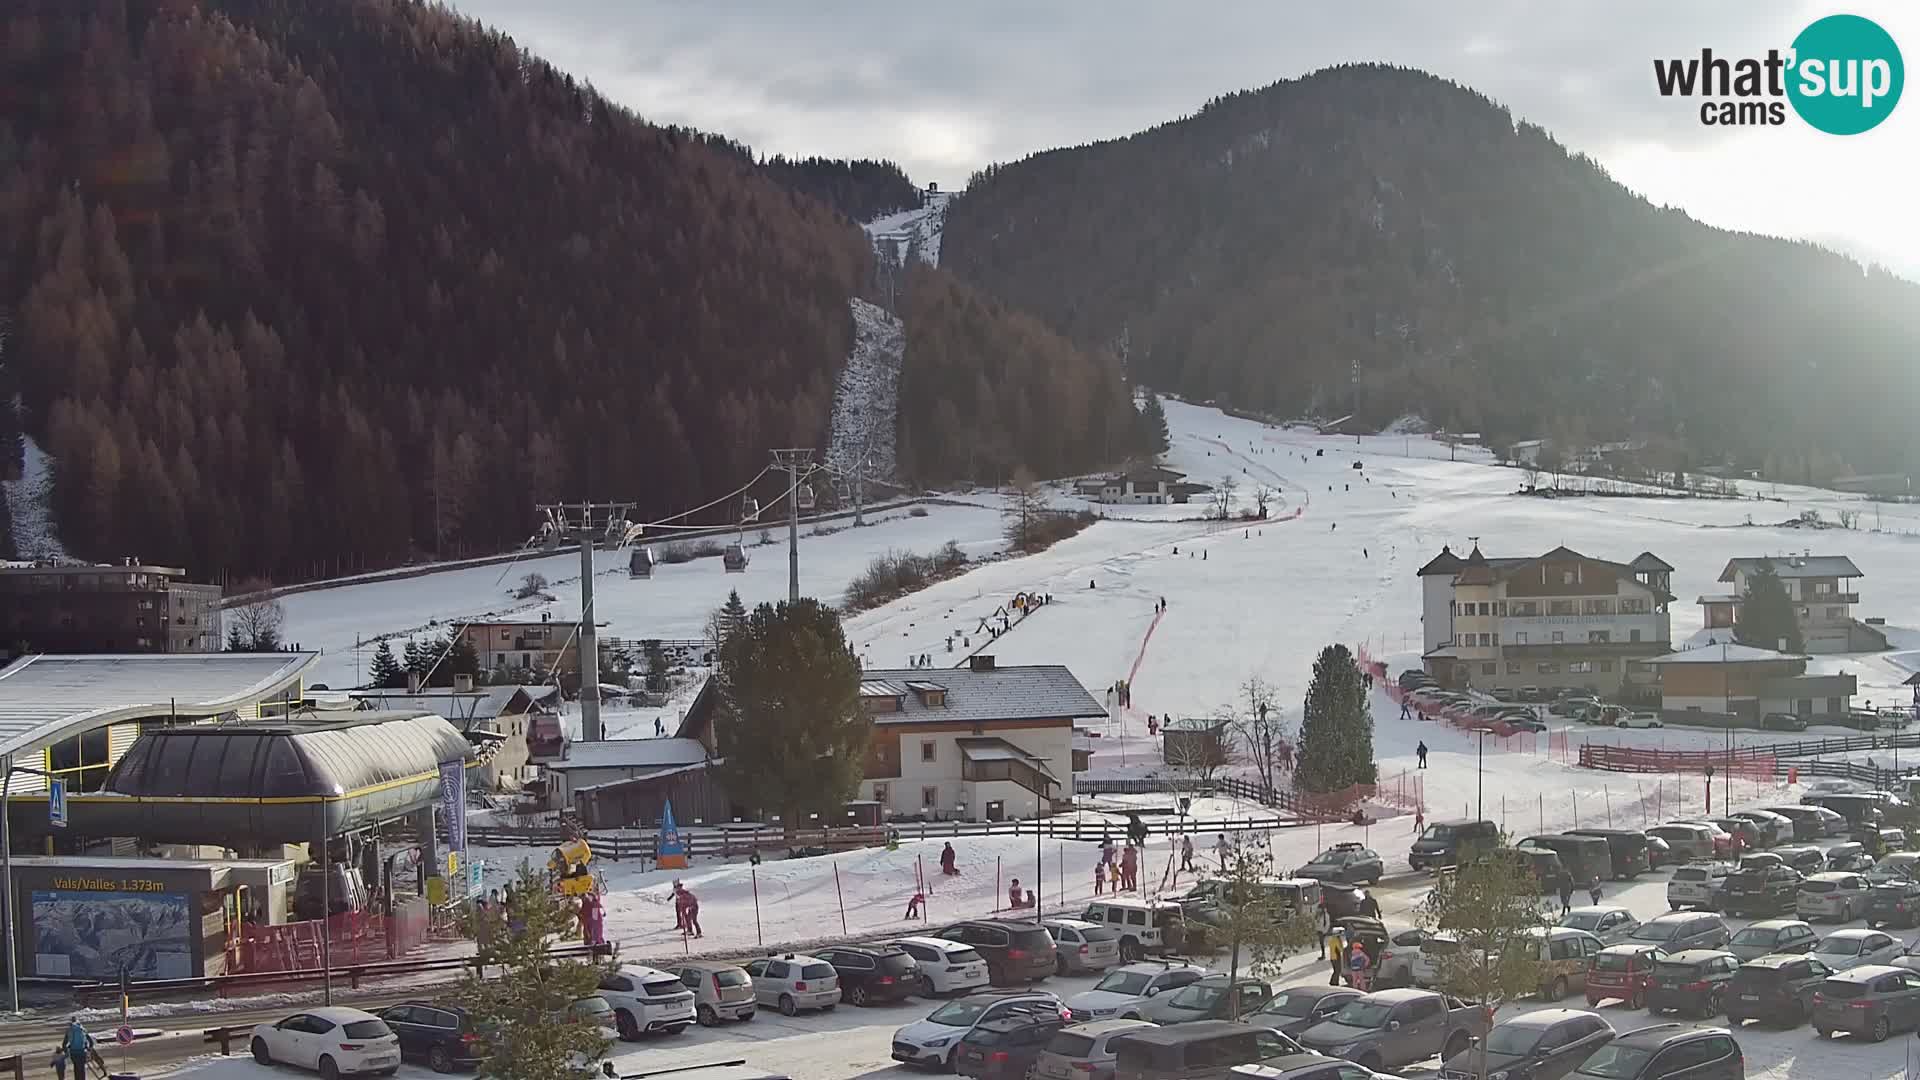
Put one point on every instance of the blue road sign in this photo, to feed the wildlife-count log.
(57, 803)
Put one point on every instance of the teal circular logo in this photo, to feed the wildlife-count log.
(1846, 75)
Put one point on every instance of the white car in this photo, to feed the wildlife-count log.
(1910, 959)
(334, 1040)
(1125, 990)
(1612, 925)
(791, 982)
(1846, 949)
(646, 1000)
(1639, 720)
(1833, 895)
(946, 967)
(1081, 946)
(1693, 885)
(932, 1041)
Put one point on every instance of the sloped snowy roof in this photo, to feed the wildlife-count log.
(630, 754)
(1037, 692)
(1796, 566)
(1717, 654)
(482, 703)
(50, 697)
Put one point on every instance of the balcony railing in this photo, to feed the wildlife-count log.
(1830, 598)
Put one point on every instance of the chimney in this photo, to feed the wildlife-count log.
(463, 684)
(981, 662)
(413, 682)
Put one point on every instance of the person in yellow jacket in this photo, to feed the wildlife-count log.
(1336, 953)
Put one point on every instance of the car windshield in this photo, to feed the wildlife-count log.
(817, 971)
(1363, 1014)
(1440, 832)
(1291, 1004)
(1690, 873)
(1331, 856)
(1817, 886)
(367, 1029)
(1100, 933)
(592, 1008)
(1583, 920)
(962, 956)
(1513, 1039)
(1616, 1062)
(1071, 1044)
(1130, 983)
(1838, 946)
(958, 1013)
(1198, 996)
(731, 977)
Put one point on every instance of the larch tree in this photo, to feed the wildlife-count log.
(1336, 727)
(788, 727)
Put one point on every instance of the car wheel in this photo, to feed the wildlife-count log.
(706, 1016)
(858, 996)
(1130, 950)
(1797, 1015)
(439, 1060)
(1457, 1044)
(787, 1007)
(1557, 989)
(1637, 999)
(262, 1055)
(1372, 1062)
(329, 1069)
(926, 986)
(629, 1030)
(1880, 1030)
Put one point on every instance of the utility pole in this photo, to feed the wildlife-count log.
(797, 462)
(588, 524)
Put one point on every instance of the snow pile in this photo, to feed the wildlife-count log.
(30, 502)
(913, 233)
(865, 402)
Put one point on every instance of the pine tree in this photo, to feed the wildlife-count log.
(1152, 420)
(726, 617)
(1336, 727)
(789, 728)
(415, 660)
(532, 997)
(456, 656)
(1766, 617)
(657, 665)
(385, 672)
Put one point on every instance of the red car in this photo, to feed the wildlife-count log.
(1622, 972)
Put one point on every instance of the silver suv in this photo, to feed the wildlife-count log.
(1393, 1028)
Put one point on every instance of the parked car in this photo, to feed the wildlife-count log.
(1394, 965)
(1696, 885)
(1667, 1052)
(1147, 927)
(1006, 1047)
(1775, 990)
(945, 967)
(1758, 891)
(1564, 953)
(1640, 718)
(592, 1012)
(721, 991)
(1080, 946)
(1083, 1051)
(1390, 1029)
(1769, 936)
(1622, 972)
(333, 1040)
(1896, 866)
(1849, 858)
(1808, 822)
(1449, 843)
(1688, 841)
(1587, 858)
(1305, 1067)
(1208, 999)
(1124, 991)
(933, 1041)
(1206, 1050)
(1833, 895)
(1774, 828)
(1354, 864)
(873, 973)
(1747, 835)
(1783, 721)
(1659, 853)
(1016, 952)
(1413, 678)
(1572, 706)
(646, 1000)
(1295, 1009)
(1909, 958)
(1626, 848)
(1523, 720)
(1612, 925)
(1874, 1001)
(1543, 1045)
(445, 1037)
(1844, 950)
(1676, 931)
(1725, 844)
(793, 981)
(1691, 981)
(1895, 903)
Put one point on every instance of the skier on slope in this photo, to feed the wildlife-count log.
(1421, 750)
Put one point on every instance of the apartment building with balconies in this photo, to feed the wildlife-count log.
(1822, 589)
(1562, 619)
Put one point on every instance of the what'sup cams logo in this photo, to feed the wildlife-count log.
(1842, 75)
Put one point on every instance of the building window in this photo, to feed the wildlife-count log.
(1559, 636)
(1606, 665)
(1520, 638)
(1600, 607)
(1525, 609)
(1836, 612)
(1633, 635)
(1803, 613)
(1485, 640)
(1632, 606)
(506, 635)
(1513, 667)
(1500, 608)
(1580, 667)
(1563, 607)
(1833, 705)
(1489, 669)
(1566, 577)
(929, 797)
(1822, 588)
(880, 794)
(1599, 637)
(927, 749)
(1496, 641)
(1548, 667)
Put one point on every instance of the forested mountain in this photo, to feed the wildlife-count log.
(860, 188)
(1384, 222)
(302, 288)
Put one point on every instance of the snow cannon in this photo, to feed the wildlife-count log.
(568, 868)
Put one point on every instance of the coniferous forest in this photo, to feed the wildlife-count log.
(1379, 241)
(303, 288)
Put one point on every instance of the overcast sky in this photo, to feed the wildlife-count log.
(944, 89)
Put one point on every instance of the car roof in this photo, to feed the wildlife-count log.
(1125, 901)
(1833, 875)
(1770, 961)
(1290, 1062)
(1400, 994)
(339, 1014)
(1542, 1018)
(1598, 909)
(794, 958)
(1694, 956)
(1672, 917)
(422, 1003)
(705, 965)
(1865, 973)
(1634, 947)
(1856, 933)
(943, 944)
(1457, 822)
(999, 924)
(1018, 1019)
(1074, 924)
(1155, 967)
(1662, 1034)
(1097, 1028)
(1182, 1033)
(642, 971)
(1775, 924)
(884, 948)
(1314, 990)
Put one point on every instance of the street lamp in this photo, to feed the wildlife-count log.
(1723, 797)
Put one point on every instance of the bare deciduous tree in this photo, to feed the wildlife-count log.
(531, 586)
(1260, 731)
(1262, 498)
(255, 625)
(1223, 496)
(1195, 758)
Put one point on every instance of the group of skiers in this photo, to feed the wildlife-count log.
(1123, 867)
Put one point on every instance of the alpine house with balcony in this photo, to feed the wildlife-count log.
(1561, 619)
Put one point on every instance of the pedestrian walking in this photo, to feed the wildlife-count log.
(1359, 966)
(1420, 750)
(1130, 867)
(659, 728)
(1186, 854)
(1593, 890)
(1100, 877)
(1419, 821)
(1406, 711)
(1336, 951)
(1566, 893)
(79, 1047)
